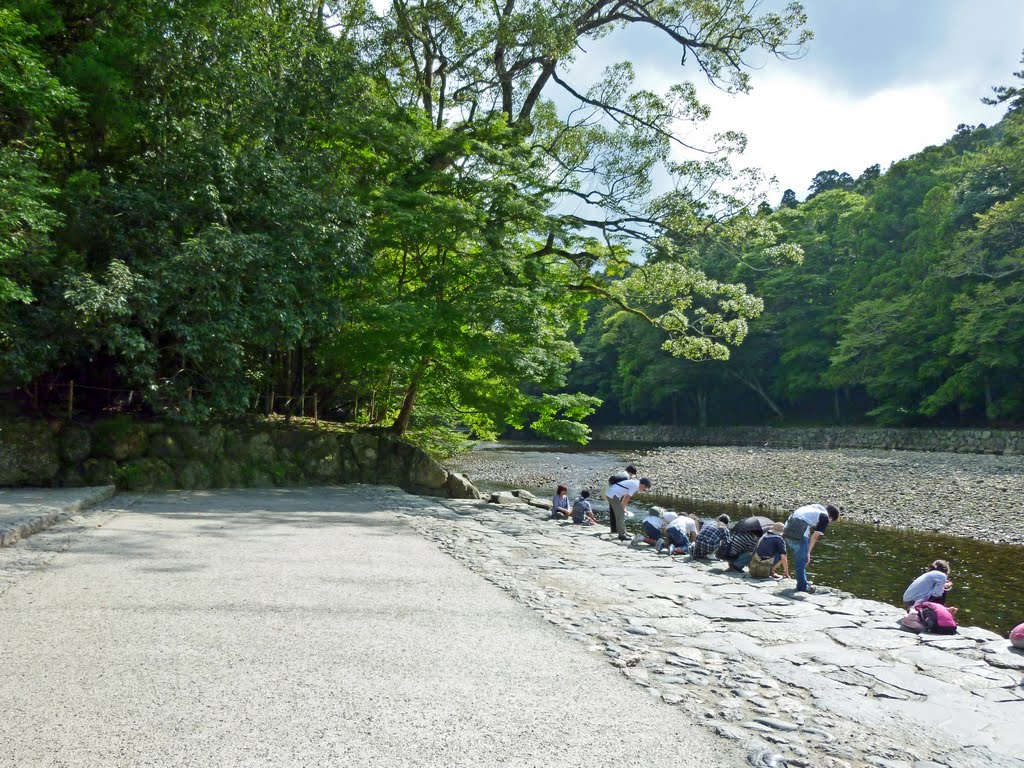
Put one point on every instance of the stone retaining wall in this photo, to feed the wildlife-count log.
(940, 440)
(138, 455)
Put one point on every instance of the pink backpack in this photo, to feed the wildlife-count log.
(936, 618)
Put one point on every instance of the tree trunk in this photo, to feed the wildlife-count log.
(755, 385)
(401, 425)
(702, 408)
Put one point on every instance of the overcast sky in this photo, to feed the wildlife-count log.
(881, 80)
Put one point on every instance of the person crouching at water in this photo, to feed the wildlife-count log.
(804, 527)
(769, 552)
(619, 495)
(930, 586)
(653, 527)
(713, 534)
(560, 503)
(582, 512)
(681, 532)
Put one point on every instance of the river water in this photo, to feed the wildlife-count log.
(869, 561)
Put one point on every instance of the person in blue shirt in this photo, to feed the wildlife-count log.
(930, 586)
(769, 552)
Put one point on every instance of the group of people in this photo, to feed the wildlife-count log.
(755, 543)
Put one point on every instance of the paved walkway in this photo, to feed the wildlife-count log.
(24, 511)
(301, 628)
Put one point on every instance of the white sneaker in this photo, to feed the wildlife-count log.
(671, 549)
(660, 545)
(637, 538)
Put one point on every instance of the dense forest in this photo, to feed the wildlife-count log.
(211, 208)
(907, 307)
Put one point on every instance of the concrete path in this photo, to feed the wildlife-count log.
(24, 511)
(300, 628)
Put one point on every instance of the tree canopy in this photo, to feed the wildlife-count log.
(222, 206)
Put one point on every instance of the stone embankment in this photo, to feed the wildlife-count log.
(141, 455)
(976, 495)
(796, 680)
(998, 441)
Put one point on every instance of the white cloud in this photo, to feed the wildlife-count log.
(797, 127)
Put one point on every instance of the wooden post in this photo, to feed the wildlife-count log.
(71, 399)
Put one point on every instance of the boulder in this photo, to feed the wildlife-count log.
(28, 453)
(425, 472)
(119, 438)
(194, 475)
(146, 474)
(99, 471)
(366, 450)
(75, 443)
(460, 487)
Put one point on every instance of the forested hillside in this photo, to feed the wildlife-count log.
(219, 207)
(908, 306)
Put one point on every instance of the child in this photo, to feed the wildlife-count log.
(582, 512)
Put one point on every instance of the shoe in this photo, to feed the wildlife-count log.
(622, 537)
(637, 538)
(811, 589)
(660, 545)
(671, 549)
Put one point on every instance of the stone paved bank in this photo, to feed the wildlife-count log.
(796, 680)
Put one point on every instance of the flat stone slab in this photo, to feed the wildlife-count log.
(722, 610)
(875, 640)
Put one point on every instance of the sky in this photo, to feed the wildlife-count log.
(881, 80)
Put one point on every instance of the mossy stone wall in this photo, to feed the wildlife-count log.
(140, 455)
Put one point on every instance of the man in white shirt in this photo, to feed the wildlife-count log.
(814, 519)
(619, 495)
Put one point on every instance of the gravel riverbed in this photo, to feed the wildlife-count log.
(979, 496)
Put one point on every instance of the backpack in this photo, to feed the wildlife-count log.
(618, 477)
(933, 623)
(795, 528)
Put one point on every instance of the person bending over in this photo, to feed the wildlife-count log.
(712, 536)
(681, 532)
(804, 527)
(619, 495)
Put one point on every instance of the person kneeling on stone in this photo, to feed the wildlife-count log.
(713, 534)
(582, 512)
(930, 586)
(769, 552)
(681, 532)
(740, 548)
(653, 529)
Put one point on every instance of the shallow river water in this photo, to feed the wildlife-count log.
(869, 561)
